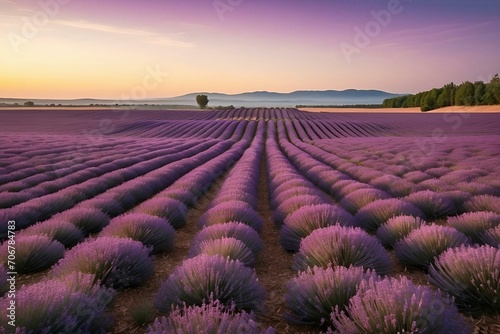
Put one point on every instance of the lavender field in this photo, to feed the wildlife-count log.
(249, 221)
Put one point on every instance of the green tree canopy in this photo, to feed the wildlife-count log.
(202, 101)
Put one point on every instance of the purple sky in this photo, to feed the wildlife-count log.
(107, 49)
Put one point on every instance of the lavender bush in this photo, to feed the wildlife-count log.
(239, 231)
(70, 305)
(152, 231)
(116, 262)
(421, 245)
(210, 317)
(371, 216)
(483, 203)
(410, 308)
(433, 205)
(472, 224)
(104, 204)
(211, 276)
(234, 211)
(33, 253)
(314, 294)
(342, 246)
(291, 205)
(60, 230)
(302, 222)
(470, 274)
(491, 237)
(86, 219)
(229, 248)
(397, 228)
(172, 210)
(362, 197)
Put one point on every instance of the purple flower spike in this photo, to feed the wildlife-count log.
(172, 210)
(472, 224)
(342, 246)
(434, 205)
(397, 228)
(211, 276)
(229, 248)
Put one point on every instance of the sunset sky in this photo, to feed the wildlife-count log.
(162, 48)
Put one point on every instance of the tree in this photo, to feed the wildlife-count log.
(479, 92)
(202, 101)
(464, 95)
(29, 104)
(492, 94)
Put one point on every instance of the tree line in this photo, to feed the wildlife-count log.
(466, 94)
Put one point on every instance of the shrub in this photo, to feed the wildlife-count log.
(397, 228)
(108, 206)
(230, 212)
(151, 231)
(4, 285)
(470, 274)
(302, 222)
(210, 317)
(70, 305)
(362, 197)
(172, 210)
(393, 185)
(229, 248)
(116, 262)
(472, 224)
(86, 219)
(421, 245)
(483, 203)
(376, 213)
(293, 204)
(34, 253)
(433, 205)
(60, 230)
(291, 193)
(342, 246)
(182, 195)
(236, 230)
(313, 295)
(491, 237)
(410, 309)
(211, 276)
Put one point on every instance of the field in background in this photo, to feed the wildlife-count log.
(255, 162)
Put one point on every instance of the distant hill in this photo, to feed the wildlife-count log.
(249, 99)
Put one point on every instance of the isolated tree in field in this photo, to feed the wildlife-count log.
(29, 104)
(202, 101)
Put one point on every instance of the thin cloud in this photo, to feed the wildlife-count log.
(147, 36)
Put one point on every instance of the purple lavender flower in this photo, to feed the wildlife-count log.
(239, 231)
(211, 276)
(422, 244)
(172, 210)
(371, 216)
(302, 222)
(491, 237)
(86, 219)
(293, 204)
(470, 274)
(342, 246)
(234, 211)
(314, 294)
(151, 231)
(393, 185)
(483, 203)
(362, 197)
(416, 176)
(231, 248)
(433, 205)
(397, 228)
(117, 262)
(70, 305)
(104, 204)
(472, 224)
(60, 230)
(210, 317)
(410, 309)
(33, 253)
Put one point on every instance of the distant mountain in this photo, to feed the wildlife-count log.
(249, 99)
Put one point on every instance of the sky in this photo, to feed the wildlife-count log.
(126, 49)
